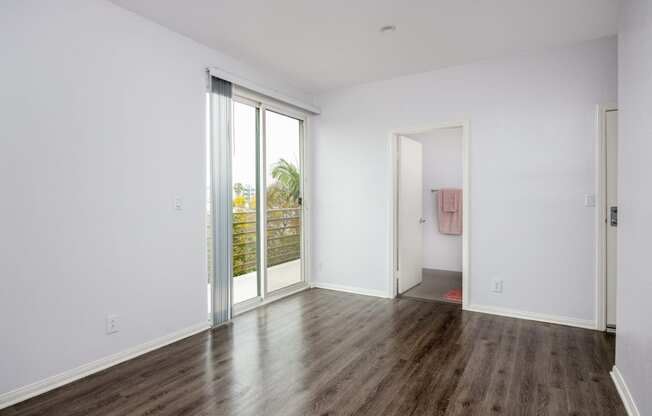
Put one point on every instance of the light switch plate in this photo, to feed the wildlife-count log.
(589, 200)
(178, 203)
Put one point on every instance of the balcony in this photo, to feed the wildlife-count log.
(283, 251)
(283, 238)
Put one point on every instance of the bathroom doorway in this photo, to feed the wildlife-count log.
(430, 201)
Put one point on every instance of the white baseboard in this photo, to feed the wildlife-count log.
(625, 395)
(532, 316)
(23, 393)
(351, 289)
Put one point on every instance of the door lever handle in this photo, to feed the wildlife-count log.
(422, 220)
(613, 216)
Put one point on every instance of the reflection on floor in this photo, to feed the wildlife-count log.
(332, 353)
(279, 276)
(439, 285)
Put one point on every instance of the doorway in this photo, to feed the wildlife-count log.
(267, 208)
(256, 239)
(430, 242)
(607, 217)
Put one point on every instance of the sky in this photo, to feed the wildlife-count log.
(282, 135)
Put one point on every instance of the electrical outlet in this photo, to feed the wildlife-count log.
(111, 324)
(497, 286)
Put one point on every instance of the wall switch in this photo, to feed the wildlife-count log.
(111, 324)
(589, 200)
(497, 286)
(178, 203)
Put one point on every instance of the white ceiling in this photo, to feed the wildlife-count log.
(321, 45)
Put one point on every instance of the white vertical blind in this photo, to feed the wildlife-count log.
(221, 196)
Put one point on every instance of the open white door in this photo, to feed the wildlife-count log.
(410, 213)
(611, 208)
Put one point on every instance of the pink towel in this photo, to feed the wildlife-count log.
(450, 200)
(449, 211)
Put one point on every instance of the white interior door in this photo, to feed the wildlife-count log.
(410, 213)
(611, 129)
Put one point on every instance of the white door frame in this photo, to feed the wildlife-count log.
(466, 203)
(600, 215)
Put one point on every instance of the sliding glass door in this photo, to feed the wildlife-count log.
(267, 188)
(244, 177)
(284, 189)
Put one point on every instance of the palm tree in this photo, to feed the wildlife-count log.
(288, 177)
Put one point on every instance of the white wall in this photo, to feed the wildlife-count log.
(532, 161)
(103, 123)
(442, 168)
(634, 340)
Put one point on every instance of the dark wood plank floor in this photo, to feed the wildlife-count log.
(330, 353)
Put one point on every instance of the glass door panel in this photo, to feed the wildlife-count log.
(283, 199)
(246, 279)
